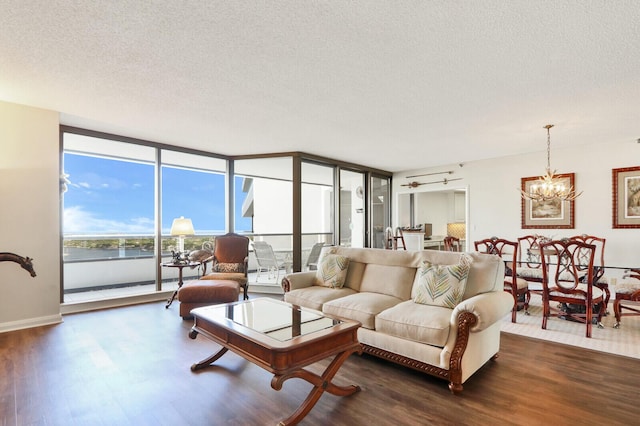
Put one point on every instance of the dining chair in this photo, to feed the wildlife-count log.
(267, 261)
(231, 260)
(393, 240)
(529, 264)
(627, 296)
(599, 280)
(452, 243)
(563, 282)
(518, 287)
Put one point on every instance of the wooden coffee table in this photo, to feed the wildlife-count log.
(283, 339)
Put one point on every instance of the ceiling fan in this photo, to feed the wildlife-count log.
(415, 184)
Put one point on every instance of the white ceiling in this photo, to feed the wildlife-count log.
(396, 84)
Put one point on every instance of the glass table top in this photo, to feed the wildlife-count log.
(279, 320)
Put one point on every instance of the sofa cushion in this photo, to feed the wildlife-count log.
(442, 285)
(315, 296)
(486, 274)
(387, 279)
(360, 260)
(332, 270)
(361, 307)
(354, 274)
(413, 321)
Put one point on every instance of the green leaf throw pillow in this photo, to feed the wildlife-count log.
(443, 285)
(332, 270)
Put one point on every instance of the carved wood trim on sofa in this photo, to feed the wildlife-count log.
(286, 285)
(466, 320)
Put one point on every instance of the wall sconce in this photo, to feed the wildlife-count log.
(181, 227)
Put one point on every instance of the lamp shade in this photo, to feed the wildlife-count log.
(182, 226)
(458, 230)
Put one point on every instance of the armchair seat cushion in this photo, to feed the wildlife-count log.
(417, 322)
(239, 277)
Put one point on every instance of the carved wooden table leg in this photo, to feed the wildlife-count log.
(320, 385)
(284, 358)
(209, 360)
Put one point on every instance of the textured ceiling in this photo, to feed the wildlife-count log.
(396, 85)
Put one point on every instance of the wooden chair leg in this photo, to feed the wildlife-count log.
(616, 312)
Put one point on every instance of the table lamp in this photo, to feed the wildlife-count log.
(180, 228)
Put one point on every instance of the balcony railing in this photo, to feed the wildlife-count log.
(105, 262)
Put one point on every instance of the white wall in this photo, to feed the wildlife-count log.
(433, 208)
(29, 216)
(494, 198)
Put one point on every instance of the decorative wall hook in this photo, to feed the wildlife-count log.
(25, 262)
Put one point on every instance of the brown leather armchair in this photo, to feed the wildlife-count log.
(231, 260)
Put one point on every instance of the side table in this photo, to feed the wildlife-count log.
(180, 266)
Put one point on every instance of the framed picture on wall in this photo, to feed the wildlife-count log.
(626, 197)
(551, 214)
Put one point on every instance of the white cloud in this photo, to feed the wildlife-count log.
(78, 221)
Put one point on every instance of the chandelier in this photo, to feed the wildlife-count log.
(549, 186)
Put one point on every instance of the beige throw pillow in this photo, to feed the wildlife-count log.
(443, 285)
(332, 270)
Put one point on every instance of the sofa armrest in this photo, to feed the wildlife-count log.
(487, 307)
(298, 280)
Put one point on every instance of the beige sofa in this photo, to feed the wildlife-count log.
(378, 291)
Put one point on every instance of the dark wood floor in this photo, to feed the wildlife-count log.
(130, 366)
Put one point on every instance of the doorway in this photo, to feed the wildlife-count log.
(437, 213)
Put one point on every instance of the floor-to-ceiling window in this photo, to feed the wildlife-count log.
(352, 212)
(121, 198)
(317, 206)
(194, 187)
(123, 194)
(267, 186)
(380, 209)
(108, 214)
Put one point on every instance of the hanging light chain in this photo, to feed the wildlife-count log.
(548, 127)
(548, 187)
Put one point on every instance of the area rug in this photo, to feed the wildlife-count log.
(623, 341)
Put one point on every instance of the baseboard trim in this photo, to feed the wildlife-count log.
(265, 289)
(77, 307)
(30, 323)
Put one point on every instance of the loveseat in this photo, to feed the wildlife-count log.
(444, 337)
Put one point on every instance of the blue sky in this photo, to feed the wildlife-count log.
(108, 196)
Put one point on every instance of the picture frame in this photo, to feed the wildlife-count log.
(626, 197)
(553, 214)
